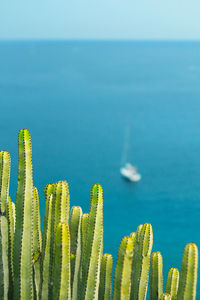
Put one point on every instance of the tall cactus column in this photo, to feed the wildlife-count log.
(4, 187)
(92, 247)
(23, 240)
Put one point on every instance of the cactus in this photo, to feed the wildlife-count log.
(141, 262)
(188, 275)
(46, 253)
(10, 212)
(61, 270)
(23, 238)
(93, 245)
(4, 188)
(37, 243)
(105, 277)
(67, 262)
(172, 283)
(84, 224)
(75, 242)
(122, 279)
(165, 297)
(156, 276)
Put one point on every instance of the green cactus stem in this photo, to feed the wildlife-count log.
(61, 270)
(61, 203)
(123, 269)
(90, 270)
(10, 212)
(141, 261)
(172, 283)
(47, 259)
(105, 277)
(23, 238)
(48, 190)
(37, 243)
(75, 242)
(165, 297)
(188, 275)
(156, 276)
(4, 247)
(84, 225)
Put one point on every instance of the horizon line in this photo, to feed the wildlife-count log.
(97, 40)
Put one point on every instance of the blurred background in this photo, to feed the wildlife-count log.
(99, 84)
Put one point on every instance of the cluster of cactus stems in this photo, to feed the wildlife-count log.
(66, 260)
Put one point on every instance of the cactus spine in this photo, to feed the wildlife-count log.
(172, 283)
(75, 242)
(188, 276)
(90, 271)
(23, 238)
(105, 277)
(4, 188)
(141, 261)
(156, 276)
(122, 279)
(61, 270)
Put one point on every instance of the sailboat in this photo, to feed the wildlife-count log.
(128, 171)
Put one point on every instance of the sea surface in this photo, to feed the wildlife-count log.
(78, 98)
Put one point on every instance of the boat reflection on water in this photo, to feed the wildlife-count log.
(130, 173)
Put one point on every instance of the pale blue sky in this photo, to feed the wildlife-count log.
(100, 19)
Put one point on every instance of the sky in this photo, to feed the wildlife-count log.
(100, 19)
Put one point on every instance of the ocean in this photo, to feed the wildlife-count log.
(78, 98)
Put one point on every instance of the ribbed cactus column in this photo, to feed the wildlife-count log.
(141, 262)
(10, 212)
(93, 246)
(75, 241)
(47, 257)
(123, 269)
(37, 243)
(172, 283)
(105, 277)
(4, 188)
(188, 276)
(23, 238)
(61, 270)
(84, 225)
(156, 276)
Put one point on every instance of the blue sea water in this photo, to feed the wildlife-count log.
(77, 99)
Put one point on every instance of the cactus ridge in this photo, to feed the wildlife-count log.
(141, 261)
(4, 179)
(122, 278)
(93, 245)
(46, 255)
(4, 228)
(156, 276)
(105, 277)
(23, 238)
(172, 283)
(188, 276)
(84, 226)
(61, 278)
(75, 242)
(37, 241)
(11, 229)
